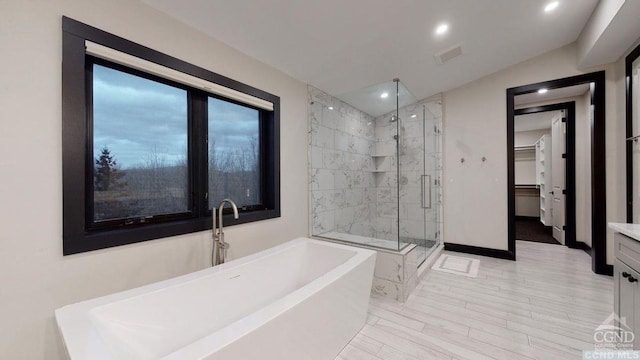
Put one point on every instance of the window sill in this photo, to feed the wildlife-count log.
(97, 240)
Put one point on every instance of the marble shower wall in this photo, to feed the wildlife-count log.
(342, 184)
(433, 153)
(353, 166)
(386, 179)
(419, 154)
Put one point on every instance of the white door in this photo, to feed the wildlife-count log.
(558, 139)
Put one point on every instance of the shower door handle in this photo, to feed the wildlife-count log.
(426, 191)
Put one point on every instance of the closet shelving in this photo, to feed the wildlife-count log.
(525, 152)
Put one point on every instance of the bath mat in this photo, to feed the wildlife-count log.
(457, 265)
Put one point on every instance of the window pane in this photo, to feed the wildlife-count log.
(139, 146)
(234, 153)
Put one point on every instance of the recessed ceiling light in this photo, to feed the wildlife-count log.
(414, 116)
(551, 6)
(441, 29)
(384, 95)
(542, 91)
(330, 107)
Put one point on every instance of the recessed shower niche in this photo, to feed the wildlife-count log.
(375, 168)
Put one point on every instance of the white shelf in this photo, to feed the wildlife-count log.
(525, 148)
(382, 164)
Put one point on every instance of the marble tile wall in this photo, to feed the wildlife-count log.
(354, 165)
(419, 151)
(396, 274)
(433, 167)
(386, 179)
(342, 185)
(366, 183)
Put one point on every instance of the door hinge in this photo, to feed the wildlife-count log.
(564, 119)
(564, 227)
(564, 191)
(564, 156)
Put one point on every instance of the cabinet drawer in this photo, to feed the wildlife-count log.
(627, 250)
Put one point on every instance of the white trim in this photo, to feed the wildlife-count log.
(121, 58)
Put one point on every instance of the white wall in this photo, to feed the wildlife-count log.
(525, 138)
(527, 203)
(613, 25)
(601, 18)
(35, 277)
(475, 193)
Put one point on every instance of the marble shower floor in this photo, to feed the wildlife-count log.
(546, 305)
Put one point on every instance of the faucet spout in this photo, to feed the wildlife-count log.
(219, 246)
(234, 207)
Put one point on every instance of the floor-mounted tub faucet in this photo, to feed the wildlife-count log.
(220, 247)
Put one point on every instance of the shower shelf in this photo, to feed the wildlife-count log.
(382, 164)
(382, 167)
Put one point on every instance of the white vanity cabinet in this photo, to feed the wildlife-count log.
(627, 282)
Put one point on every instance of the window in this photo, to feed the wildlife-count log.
(139, 147)
(234, 153)
(151, 144)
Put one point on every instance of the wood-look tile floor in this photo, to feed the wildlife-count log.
(545, 305)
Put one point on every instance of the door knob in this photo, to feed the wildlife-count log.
(625, 274)
(632, 279)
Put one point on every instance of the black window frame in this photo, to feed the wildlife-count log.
(80, 232)
(92, 225)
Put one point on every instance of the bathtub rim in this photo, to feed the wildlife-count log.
(75, 326)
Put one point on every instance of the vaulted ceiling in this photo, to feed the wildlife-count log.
(341, 46)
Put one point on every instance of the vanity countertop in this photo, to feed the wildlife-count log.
(631, 230)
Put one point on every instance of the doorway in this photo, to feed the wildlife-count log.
(544, 163)
(596, 210)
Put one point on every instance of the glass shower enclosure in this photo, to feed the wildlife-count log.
(375, 168)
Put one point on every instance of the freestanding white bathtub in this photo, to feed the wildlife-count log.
(304, 299)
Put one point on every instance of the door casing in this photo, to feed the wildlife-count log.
(598, 249)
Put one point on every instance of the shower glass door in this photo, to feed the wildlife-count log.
(418, 181)
(375, 168)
